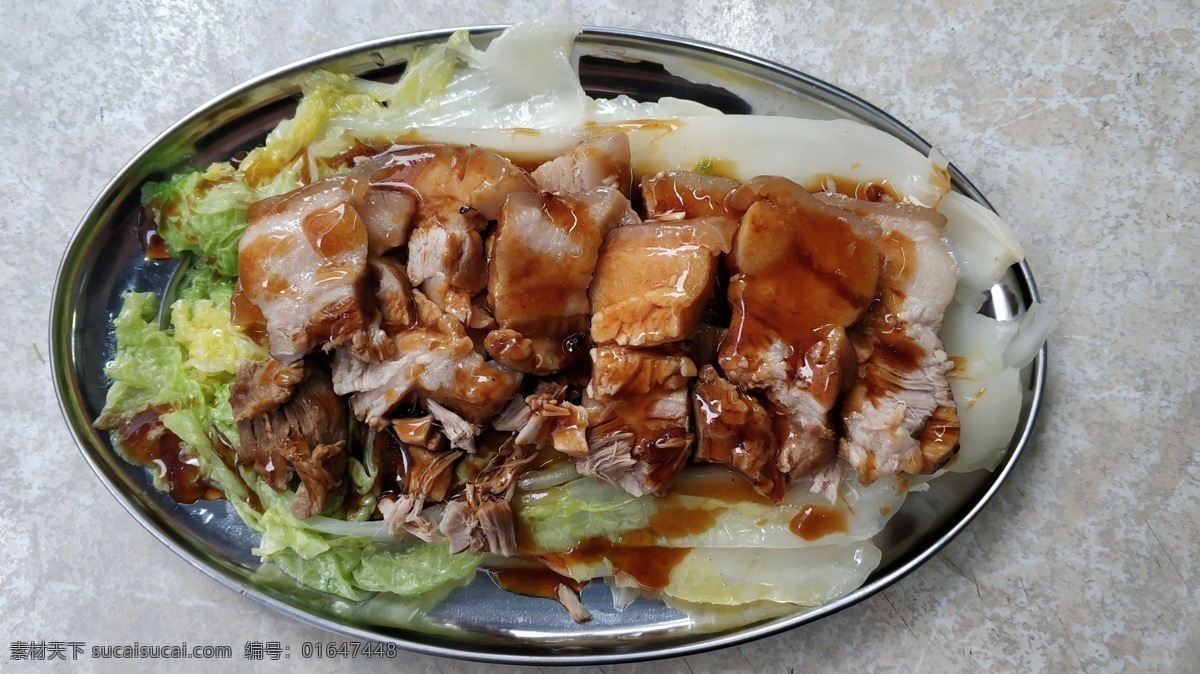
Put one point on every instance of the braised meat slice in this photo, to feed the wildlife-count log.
(262, 386)
(900, 417)
(458, 191)
(732, 428)
(460, 432)
(445, 260)
(448, 180)
(393, 294)
(305, 434)
(804, 273)
(436, 360)
(545, 418)
(301, 261)
(684, 194)
(596, 162)
(653, 280)
(543, 256)
(388, 216)
(639, 430)
(480, 519)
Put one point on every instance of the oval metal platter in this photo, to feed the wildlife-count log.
(477, 622)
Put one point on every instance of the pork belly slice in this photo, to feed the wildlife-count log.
(388, 216)
(543, 255)
(733, 429)
(457, 192)
(301, 262)
(480, 519)
(900, 417)
(435, 360)
(639, 433)
(804, 273)
(305, 434)
(445, 260)
(602, 161)
(684, 194)
(389, 311)
(393, 295)
(653, 280)
(448, 179)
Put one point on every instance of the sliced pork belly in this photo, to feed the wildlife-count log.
(639, 434)
(689, 195)
(448, 180)
(390, 310)
(732, 428)
(393, 295)
(653, 280)
(246, 315)
(804, 273)
(435, 359)
(445, 260)
(388, 216)
(543, 256)
(457, 192)
(301, 261)
(597, 162)
(900, 416)
(306, 434)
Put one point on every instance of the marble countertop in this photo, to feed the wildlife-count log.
(1080, 122)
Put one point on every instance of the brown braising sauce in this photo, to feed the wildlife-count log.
(688, 194)
(153, 246)
(394, 463)
(148, 443)
(817, 521)
(347, 156)
(247, 316)
(533, 582)
(650, 567)
(229, 457)
(676, 521)
(577, 363)
(671, 520)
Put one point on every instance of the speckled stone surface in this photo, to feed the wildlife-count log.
(1080, 122)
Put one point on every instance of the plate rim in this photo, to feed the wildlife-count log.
(67, 390)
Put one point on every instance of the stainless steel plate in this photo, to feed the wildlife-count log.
(479, 622)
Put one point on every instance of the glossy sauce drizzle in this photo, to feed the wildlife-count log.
(650, 567)
(533, 582)
(148, 443)
(817, 521)
(153, 246)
